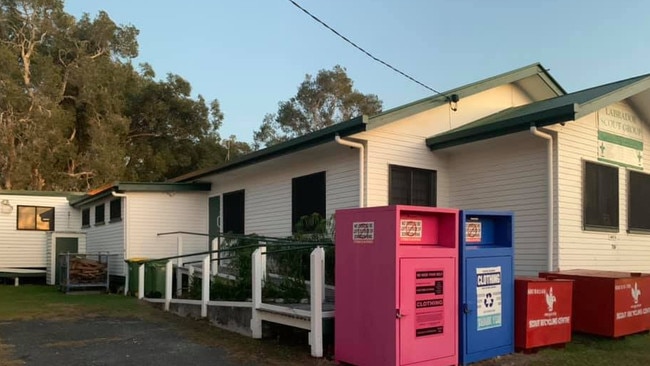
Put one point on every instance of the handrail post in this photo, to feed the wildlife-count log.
(179, 250)
(169, 268)
(215, 246)
(263, 261)
(256, 273)
(141, 281)
(205, 286)
(317, 265)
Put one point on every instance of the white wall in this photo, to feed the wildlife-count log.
(268, 185)
(25, 248)
(577, 142)
(153, 213)
(403, 142)
(507, 173)
(107, 237)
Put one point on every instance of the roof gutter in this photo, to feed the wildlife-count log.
(550, 195)
(362, 175)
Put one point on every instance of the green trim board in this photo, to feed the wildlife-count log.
(121, 187)
(620, 140)
(560, 109)
(620, 164)
(41, 193)
(327, 134)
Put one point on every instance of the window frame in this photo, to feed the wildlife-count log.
(51, 226)
(85, 217)
(433, 188)
(100, 209)
(115, 210)
(599, 226)
(298, 211)
(631, 199)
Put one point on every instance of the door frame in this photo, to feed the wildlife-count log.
(80, 248)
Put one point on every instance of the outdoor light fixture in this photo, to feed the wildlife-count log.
(6, 207)
(453, 102)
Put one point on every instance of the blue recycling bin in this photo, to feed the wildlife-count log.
(486, 279)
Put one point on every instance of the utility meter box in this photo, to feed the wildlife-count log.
(396, 286)
(486, 285)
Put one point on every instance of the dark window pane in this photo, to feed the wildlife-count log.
(601, 196)
(412, 186)
(400, 186)
(85, 217)
(116, 209)
(307, 196)
(233, 212)
(421, 188)
(99, 214)
(638, 205)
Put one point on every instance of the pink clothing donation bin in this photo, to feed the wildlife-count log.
(396, 286)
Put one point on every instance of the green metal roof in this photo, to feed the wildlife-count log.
(563, 108)
(327, 134)
(362, 123)
(40, 193)
(121, 187)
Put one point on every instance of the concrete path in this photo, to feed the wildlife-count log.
(104, 341)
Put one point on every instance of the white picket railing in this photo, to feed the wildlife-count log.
(311, 320)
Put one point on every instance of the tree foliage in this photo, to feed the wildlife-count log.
(321, 101)
(75, 113)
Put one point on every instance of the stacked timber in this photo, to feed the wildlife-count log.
(86, 271)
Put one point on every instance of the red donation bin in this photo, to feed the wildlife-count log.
(608, 303)
(396, 286)
(542, 312)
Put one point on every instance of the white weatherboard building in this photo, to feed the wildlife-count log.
(572, 167)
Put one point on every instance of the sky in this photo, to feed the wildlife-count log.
(252, 54)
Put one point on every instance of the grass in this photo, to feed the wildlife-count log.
(41, 302)
(45, 302)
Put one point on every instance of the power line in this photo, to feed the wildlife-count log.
(362, 50)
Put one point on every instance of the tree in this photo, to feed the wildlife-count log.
(60, 120)
(170, 133)
(321, 101)
(75, 114)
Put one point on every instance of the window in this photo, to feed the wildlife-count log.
(35, 218)
(116, 210)
(85, 217)
(233, 212)
(638, 210)
(411, 186)
(307, 197)
(600, 201)
(99, 214)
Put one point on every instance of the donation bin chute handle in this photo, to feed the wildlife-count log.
(398, 314)
(466, 308)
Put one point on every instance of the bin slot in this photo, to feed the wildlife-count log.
(427, 228)
(495, 231)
